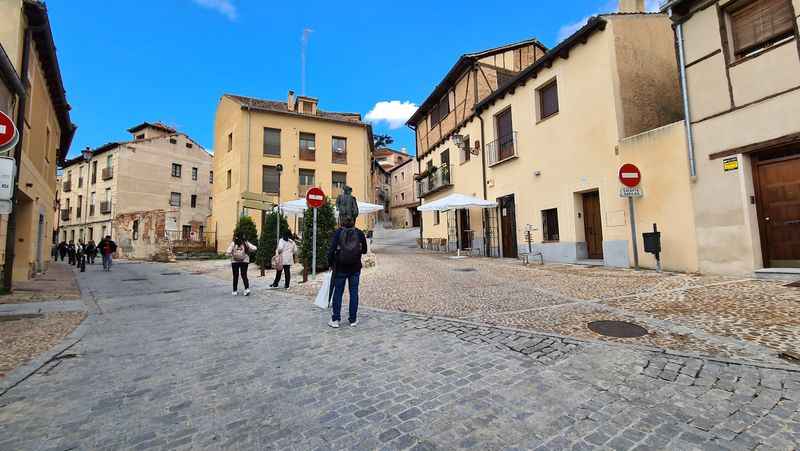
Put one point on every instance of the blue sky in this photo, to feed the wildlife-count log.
(171, 60)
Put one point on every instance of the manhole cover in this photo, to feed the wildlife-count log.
(794, 284)
(465, 270)
(170, 274)
(5, 318)
(618, 329)
(134, 280)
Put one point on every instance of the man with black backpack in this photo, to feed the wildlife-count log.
(344, 257)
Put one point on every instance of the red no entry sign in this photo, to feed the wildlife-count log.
(315, 198)
(8, 132)
(629, 175)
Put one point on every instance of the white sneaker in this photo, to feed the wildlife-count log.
(354, 324)
(247, 292)
(235, 293)
(334, 324)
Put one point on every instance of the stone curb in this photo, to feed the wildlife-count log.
(23, 372)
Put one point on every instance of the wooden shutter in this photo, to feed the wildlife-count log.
(271, 182)
(548, 97)
(504, 127)
(272, 141)
(759, 24)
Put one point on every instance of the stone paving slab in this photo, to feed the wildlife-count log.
(201, 369)
(56, 283)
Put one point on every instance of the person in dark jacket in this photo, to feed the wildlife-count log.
(71, 252)
(91, 252)
(344, 257)
(107, 248)
(62, 250)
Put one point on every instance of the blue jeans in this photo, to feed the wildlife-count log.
(338, 291)
(107, 261)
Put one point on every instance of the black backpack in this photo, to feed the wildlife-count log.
(349, 248)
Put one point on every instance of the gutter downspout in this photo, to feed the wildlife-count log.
(685, 94)
(419, 170)
(485, 190)
(11, 226)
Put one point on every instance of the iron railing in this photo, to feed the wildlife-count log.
(67, 186)
(438, 179)
(108, 173)
(65, 214)
(105, 207)
(502, 149)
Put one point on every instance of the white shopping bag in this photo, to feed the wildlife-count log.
(324, 295)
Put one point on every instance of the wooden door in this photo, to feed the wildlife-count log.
(464, 229)
(508, 225)
(778, 189)
(593, 225)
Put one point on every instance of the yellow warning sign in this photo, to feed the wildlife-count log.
(730, 164)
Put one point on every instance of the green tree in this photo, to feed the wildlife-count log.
(246, 228)
(382, 140)
(269, 240)
(326, 226)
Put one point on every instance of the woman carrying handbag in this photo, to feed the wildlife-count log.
(284, 259)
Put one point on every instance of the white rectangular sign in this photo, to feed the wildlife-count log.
(7, 169)
(630, 192)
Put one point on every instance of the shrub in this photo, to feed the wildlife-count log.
(268, 240)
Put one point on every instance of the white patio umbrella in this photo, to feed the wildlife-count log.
(456, 202)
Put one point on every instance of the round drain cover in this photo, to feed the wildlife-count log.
(617, 329)
(465, 270)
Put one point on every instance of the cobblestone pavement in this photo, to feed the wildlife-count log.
(57, 283)
(172, 361)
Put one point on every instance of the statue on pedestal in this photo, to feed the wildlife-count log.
(347, 205)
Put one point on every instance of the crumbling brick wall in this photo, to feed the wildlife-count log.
(150, 243)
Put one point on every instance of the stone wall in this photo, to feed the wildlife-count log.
(150, 243)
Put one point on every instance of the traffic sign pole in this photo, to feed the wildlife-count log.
(633, 233)
(315, 198)
(314, 249)
(630, 176)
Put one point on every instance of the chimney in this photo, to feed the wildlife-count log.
(291, 102)
(631, 6)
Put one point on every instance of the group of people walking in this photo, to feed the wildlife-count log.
(344, 258)
(82, 253)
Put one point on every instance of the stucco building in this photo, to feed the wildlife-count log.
(254, 138)
(148, 193)
(403, 196)
(546, 144)
(32, 93)
(741, 61)
(389, 158)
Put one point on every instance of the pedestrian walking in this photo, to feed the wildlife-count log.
(284, 258)
(80, 255)
(344, 256)
(91, 252)
(71, 252)
(107, 248)
(62, 250)
(240, 250)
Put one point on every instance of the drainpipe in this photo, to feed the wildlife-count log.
(685, 93)
(419, 171)
(11, 227)
(485, 190)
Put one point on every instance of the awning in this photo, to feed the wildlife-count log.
(298, 206)
(456, 202)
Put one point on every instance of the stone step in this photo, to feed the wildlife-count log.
(787, 274)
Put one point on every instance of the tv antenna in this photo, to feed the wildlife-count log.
(306, 34)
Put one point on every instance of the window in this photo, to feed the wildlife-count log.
(94, 172)
(271, 180)
(548, 100)
(306, 178)
(307, 146)
(402, 196)
(758, 24)
(175, 199)
(135, 234)
(435, 218)
(307, 107)
(272, 141)
(80, 207)
(210, 202)
(440, 110)
(339, 180)
(228, 177)
(186, 232)
(104, 229)
(505, 135)
(173, 141)
(230, 141)
(211, 177)
(109, 161)
(108, 194)
(395, 178)
(402, 176)
(140, 136)
(194, 201)
(194, 173)
(339, 148)
(189, 145)
(176, 170)
(92, 200)
(91, 233)
(550, 224)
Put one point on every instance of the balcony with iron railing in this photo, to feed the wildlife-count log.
(434, 180)
(65, 214)
(105, 207)
(67, 186)
(502, 149)
(108, 173)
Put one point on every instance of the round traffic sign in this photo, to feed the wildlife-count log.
(629, 175)
(8, 132)
(315, 197)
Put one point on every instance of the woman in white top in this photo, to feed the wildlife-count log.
(239, 251)
(284, 258)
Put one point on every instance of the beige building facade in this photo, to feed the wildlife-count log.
(547, 146)
(254, 138)
(743, 100)
(149, 193)
(403, 196)
(31, 88)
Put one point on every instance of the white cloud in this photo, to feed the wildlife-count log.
(224, 7)
(567, 30)
(393, 112)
